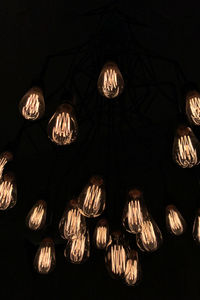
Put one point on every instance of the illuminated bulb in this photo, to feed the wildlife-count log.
(134, 211)
(4, 158)
(150, 237)
(110, 83)
(36, 217)
(116, 256)
(133, 269)
(77, 249)
(196, 228)
(72, 222)
(193, 107)
(92, 199)
(101, 234)
(174, 220)
(62, 127)
(32, 105)
(186, 147)
(45, 259)
(8, 192)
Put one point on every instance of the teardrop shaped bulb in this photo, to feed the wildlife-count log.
(8, 191)
(134, 211)
(62, 127)
(72, 222)
(101, 234)
(5, 157)
(133, 269)
(110, 83)
(196, 228)
(116, 256)
(186, 147)
(193, 107)
(36, 217)
(92, 199)
(32, 105)
(174, 221)
(45, 258)
(150, 237)
(77, 249)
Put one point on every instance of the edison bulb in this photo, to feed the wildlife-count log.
(101, 234)
(110, 83)
(32, 105)
(8, 191)
(133, 269)
(5, 157)
(186, 148)
(116, 256)
(62, 127)
(134, 211)
(45, 259)
(174, 220)
(72, 222)
(193, 107)
(196, 228)
(77, 249)
(92, 199)
(150, 237)
(36, 217)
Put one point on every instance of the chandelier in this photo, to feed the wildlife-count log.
(137, 221)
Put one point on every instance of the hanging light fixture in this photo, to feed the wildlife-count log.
(133, 269)
(45, 258)
(36, 217)
(193, 107)
(110, 83)
(32, 105)
(8, 191)
(174, 221)
(186, 147)
(92, 199)
(62, 127)
(101, 234)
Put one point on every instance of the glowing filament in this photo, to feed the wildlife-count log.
(36, 217)
(148, 236)
(196, 229)
(187, 155)
(118, 259)
(175, 223)
(31, 109)
(131, 272)
(77, 248)
(62, 132)
(194, 104)
(101, 237)
(3, 162)
(72, 224)
(6, 189)
(44, 260)
(110, 85)
(135, 217)
(92, 200)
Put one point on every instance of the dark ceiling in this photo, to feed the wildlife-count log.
(128, 141)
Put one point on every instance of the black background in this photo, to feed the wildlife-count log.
(126, 146)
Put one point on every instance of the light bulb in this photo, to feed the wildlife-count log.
(72, 222)
(193, 107)
(92, 199)
(8, 191)
(133, 269)
(101, 234)
(196, 228)
(4, 158)
(150, 237)
(186, 148)
(174, 220)
(32, 105)
(134, 211)
(62, 127)
(116, 256)
(110, 83)
(36, 217)
(77, 249)
(45, 258)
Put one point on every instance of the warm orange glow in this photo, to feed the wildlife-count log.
(131, 273)
(101, 237)
(62, 129)
(3, 162)
(135, 216)
(118, 259)
(44, 260)
(187, 155)
(72, 225)
(77, 248)
(36, 217)
(31, 108)
(92, 199)
(175, 222)
(148, 235)
(6, 188)
(110, 84)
